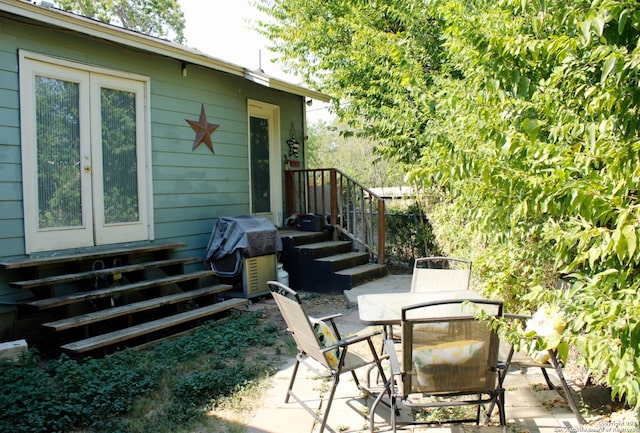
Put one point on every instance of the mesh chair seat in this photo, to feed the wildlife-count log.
(440, 274)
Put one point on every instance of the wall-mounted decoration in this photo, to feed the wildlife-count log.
(293, 143)
(203, 130)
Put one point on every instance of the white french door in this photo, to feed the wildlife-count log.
(84, 157)
(265, 175)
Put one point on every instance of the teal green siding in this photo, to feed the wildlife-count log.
(190, 188)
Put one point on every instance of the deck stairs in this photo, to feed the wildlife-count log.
(98, 301)
(318, 263)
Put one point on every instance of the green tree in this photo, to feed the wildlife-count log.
(158, 18)
(328, 147)
(519, 120)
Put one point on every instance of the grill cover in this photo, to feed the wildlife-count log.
(250, 236)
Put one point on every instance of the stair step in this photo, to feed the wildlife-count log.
(342, 261)
(57, 301)
(135, 307)
(89, 255)
(299, 237)
(68, 278)
(114, 337)
(326, 248)
(364, 273)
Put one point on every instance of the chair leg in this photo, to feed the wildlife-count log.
(329, 400)
(565, 387)
(293, 379)
(547, 379)
(377, 400)
(394, 412)
(501, 410)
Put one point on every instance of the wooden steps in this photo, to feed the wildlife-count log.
(105, 299)
(108, 272)
(57, 301)
(318, 263)
(90, 255)
(114, 337)
(135, 307)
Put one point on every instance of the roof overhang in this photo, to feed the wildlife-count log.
(91, 27)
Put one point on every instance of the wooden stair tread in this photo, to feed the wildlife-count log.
(323, 244)
(67, 278)
(155, 325)
(338, 257)
(109, 291)
(360, 269)
(87, 255)
(109, 313)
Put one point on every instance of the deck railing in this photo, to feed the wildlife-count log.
(353, 210)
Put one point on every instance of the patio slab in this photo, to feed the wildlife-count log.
(528, 410)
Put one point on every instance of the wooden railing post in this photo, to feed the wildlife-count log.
(382, 230)
(290, 195)
(333, 196)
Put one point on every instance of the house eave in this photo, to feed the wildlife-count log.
(94, 28)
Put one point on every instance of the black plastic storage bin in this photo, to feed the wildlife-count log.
(311, 223)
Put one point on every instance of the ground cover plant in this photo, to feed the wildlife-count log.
(168, 387)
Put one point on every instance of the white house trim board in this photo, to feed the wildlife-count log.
(271, 113)
(91, 228)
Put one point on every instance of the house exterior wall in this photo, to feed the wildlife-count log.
(190, 188)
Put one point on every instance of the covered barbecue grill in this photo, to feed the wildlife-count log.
(244, 246)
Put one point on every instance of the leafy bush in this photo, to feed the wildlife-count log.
(522, 118)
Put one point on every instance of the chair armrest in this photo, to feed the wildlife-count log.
(355, 339)
(521, 317)
(390, 350)
(351, 340)
(330, 317)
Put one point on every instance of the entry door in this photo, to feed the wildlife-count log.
(84, 170)
(265, 174)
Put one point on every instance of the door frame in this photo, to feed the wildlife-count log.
(270, 112)
(50, 239)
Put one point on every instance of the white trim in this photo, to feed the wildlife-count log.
(36, 238)
(272, 113)
(119, 232)
(93, 230)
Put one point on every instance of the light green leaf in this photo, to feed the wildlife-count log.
(629, 234)
(585, 26)
(622, 20)
(563, 351)
(598, 24)
(609, 65)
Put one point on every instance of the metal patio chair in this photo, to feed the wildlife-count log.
(458, 367)
(320, 340)
(440, 274)
(551, 361)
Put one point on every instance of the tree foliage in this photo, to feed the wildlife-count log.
(520, 118)
(355, 156)
(158, 18)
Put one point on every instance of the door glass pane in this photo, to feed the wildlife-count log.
(260, 183)
(119, 163)
(58, 153)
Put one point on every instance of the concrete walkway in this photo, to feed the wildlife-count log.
(528, 408)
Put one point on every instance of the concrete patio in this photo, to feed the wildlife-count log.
(529, 407)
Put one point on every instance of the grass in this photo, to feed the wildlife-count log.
(177, 386)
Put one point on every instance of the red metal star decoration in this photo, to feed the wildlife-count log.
(203, 130)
